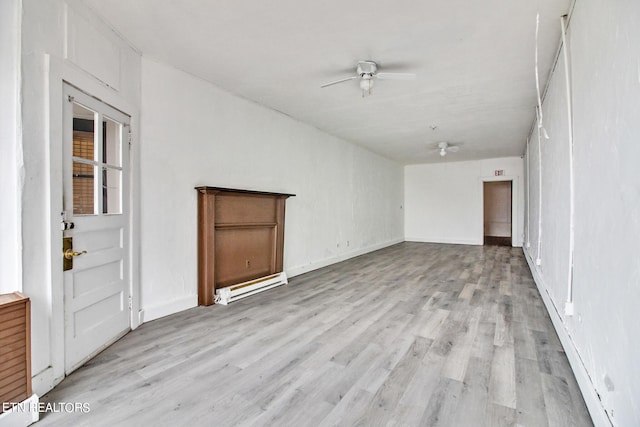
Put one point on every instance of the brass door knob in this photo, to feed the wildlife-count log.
(70, 253)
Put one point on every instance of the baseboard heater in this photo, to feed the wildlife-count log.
(242, 290)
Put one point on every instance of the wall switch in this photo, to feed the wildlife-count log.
(538, 261)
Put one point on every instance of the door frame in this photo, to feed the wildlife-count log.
(58, 71)
(514, 205)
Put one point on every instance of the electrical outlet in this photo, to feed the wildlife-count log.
(568, 309)
(248, 263)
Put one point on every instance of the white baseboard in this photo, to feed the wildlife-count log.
(44, 381)
(589, 393)
(22, 415)
(315, 265)
(444, 240)
(157, 311)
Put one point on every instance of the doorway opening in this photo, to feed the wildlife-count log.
(497, 212)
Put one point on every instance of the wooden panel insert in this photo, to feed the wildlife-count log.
(244, 254)
(240, 208)
(240, 237)
(15, 348)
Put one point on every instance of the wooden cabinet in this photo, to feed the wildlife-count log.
(240, 237)
(15, 348)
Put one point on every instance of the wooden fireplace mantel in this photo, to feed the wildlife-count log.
(240, 237)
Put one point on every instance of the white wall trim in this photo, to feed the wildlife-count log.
(315, 265)
(45, 380)
(11, 160)
(22, 416)
(165, 309)
(589, 393)
(444, 240)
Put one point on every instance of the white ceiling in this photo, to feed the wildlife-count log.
(474, 61)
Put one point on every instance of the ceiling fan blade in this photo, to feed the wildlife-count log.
(453, 149)
(397, 65)
(396, 76)
(340, 81)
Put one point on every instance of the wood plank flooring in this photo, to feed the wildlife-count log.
(416, 334)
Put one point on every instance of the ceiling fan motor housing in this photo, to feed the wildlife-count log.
(366, 67)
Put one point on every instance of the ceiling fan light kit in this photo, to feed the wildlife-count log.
(366, 84)
(367, 72)
(444, 148)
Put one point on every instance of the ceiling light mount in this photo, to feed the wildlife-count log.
(366, 68)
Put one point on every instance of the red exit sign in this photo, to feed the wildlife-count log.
(499, 172)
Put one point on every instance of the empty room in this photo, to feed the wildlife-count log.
(375, 213)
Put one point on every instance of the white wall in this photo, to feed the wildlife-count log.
(601, 338)
(443, 201)
(348, 200)
(60, 40)
(10, 147)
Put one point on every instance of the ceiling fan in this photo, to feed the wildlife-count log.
(444, 147)
(367, 72)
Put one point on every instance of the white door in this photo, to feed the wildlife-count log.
(96, 218)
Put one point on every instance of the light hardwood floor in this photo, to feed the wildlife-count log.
(415, 334)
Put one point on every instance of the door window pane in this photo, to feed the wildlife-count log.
(97, 159)
(111, 191)
(112, 142)
(83, 133)
(84, 182)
